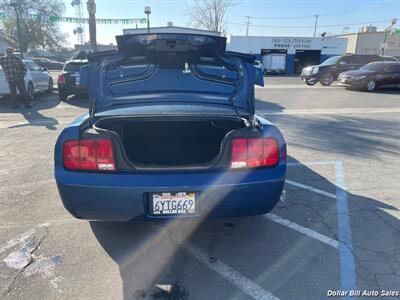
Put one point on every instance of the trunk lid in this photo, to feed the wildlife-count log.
(167, 69)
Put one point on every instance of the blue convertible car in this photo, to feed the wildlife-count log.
(171, 132)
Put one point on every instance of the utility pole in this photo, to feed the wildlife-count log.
(394, 21)
(15, 5)
(248, 24)
(315, 25)
(91, 7)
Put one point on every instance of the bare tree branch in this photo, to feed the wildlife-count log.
(210, 14)
(36, 33)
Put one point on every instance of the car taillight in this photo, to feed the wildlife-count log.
(254, 152)
(61, 79)
(90, 154)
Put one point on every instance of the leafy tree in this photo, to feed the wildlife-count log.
(36, 32)
(210, 14)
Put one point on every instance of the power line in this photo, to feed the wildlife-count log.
(310, 26)
(349, 10)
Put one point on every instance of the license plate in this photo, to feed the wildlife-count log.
(342, 80)
(177, 203)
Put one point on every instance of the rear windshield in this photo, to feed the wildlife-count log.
(373, 66)
(73, 67)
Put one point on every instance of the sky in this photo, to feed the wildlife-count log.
(268, 17)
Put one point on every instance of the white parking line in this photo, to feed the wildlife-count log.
(311, 233)
(293, 86)
(310, 188)
(331, 111)
(245, 284)
(298, 164)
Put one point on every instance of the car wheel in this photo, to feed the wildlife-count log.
(31, 92)
(310, 82)
(50, 88)
(327, 79)
(370, 86)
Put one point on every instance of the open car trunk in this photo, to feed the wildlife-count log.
(171, 143)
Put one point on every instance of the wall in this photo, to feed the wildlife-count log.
(369, 43)
(254, 44)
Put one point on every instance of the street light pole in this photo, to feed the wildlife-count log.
(315, 24)
(147, 11)
(394, 21)
(15, 5)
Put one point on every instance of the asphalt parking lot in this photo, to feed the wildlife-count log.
(337, 226)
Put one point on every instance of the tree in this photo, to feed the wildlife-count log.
(210, 14)
(36, 32)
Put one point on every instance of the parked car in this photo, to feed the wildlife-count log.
(171, 132)
(372, 76)
(68, 80)
(37, 79)
(329, 70)
(48, 63)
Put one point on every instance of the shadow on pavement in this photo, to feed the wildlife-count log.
(35, 118)
(343, 134)
(42, 101)
(32, 115)
(280, 260)
(270, 106)
(79, 101)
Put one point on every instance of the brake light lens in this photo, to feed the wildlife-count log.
(61, 79)
(89, 154)
(254, 152)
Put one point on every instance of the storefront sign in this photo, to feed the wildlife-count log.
(292, 43)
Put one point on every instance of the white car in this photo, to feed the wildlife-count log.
(37, 79)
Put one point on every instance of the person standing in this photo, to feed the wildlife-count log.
(15, 71)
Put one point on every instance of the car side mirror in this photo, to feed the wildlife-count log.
(44, 69)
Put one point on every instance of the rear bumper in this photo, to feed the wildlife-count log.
(352, 82)
(72, 89)
(125, 197)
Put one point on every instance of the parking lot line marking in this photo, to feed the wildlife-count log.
(304, 230)
(298, 164)
(310, 188)
(245, 284)
(347, 267)
(292, 86)
(331, 111)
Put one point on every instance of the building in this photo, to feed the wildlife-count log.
(291, 54)
(170, 29)
(370, 42)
